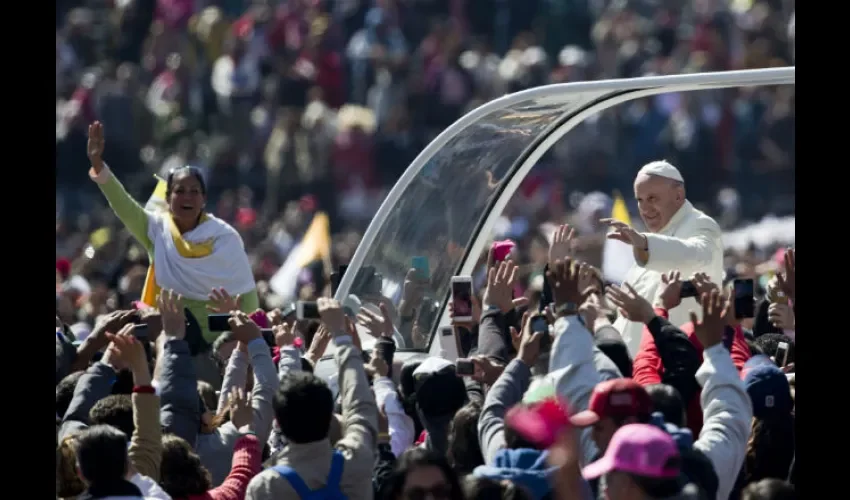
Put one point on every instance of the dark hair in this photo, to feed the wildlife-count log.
(223, 338)
(769, 343)
(769, 489)
(661, 488)
(102, 454)
(667, 400)
(420, 457)
(115, 410)
(770, 449)
(65, 392)
(123, 383)
(755, 350)
(297, 391)
(464, 449)
(187, 171)
(181, 472)
(484, 488)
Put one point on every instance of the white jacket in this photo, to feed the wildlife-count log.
(691, 242)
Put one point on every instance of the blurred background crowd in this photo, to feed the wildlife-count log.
(290, 107)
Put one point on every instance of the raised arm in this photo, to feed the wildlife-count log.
(694, 252)
(133, 215)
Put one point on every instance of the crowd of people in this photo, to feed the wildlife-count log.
(259, 115)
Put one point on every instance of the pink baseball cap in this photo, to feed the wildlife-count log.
(640, 449)
(501, 249)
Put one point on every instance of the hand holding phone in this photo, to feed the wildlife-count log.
(539, 324)
(688, 290)
(781, 356)
(306, 310)
(462, 298)
(465, 367)
(423, 270)
(218, 322)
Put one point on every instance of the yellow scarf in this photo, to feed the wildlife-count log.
(186, 249)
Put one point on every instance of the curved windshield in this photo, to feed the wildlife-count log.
(436, 210)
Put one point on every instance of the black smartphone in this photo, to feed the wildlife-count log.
(688, 290)
(140, 330)
(465, 367)
(745, 303)
(268, 336)
(540, 324)
(218, 322)
(306, 310)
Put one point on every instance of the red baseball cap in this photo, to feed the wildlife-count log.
(619, 398)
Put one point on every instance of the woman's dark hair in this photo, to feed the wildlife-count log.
(179, 173)
(770, 449)
(65, 392)
(420, 457)
(484, 488)
(102, 454)
(464, 449)
(667, 400)
(181, 472)
(769, 489)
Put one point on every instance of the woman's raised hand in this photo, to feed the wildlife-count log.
(95, 146)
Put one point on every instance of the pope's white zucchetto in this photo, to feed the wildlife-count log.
(661, 169)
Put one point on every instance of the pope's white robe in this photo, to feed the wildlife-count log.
(691, 242)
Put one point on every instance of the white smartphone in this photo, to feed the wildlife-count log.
(781, 356)
(462, 298)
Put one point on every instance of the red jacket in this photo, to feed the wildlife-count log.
(647, 367)
(247, 462)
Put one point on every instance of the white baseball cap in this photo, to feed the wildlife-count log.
(661, 169)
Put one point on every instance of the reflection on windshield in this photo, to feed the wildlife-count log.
(437, 213)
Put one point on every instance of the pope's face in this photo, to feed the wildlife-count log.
(658, 200)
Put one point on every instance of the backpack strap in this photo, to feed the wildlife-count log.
(294, 480)
(335, 474)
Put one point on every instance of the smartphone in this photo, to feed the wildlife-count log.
(465, 367)
(140, 330)
(688, 290)
(781, 356)
(420, 264)
(462, 298)
(449, 343)
(745, 304)
(268, 336)
(540, 423)
(306, 310)
(385, 349)
(540, 324)
(218, 322)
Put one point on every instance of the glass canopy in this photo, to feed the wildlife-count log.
(447, 200)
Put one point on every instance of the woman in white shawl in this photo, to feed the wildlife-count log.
(194, 253)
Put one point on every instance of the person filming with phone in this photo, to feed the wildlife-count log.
(677, 236)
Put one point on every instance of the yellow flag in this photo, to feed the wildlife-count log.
(619, 211)
(157, 201)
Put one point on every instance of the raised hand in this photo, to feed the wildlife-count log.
(170, 305)
(95, 146)
(625, 233)
(529, 345)
(378, 325)
(670, 295)
(222, 302)
(562, 243)
(243, 327)
(284, 335)
(332, 315)
(241, 413)
(715, 308)
(487, 371)
(412, 292)
(781, 315)
(703, 284)
(500, 285)
(563, 277)
(320, 342)
(130, 352)
(788, 282)
(630, 304)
